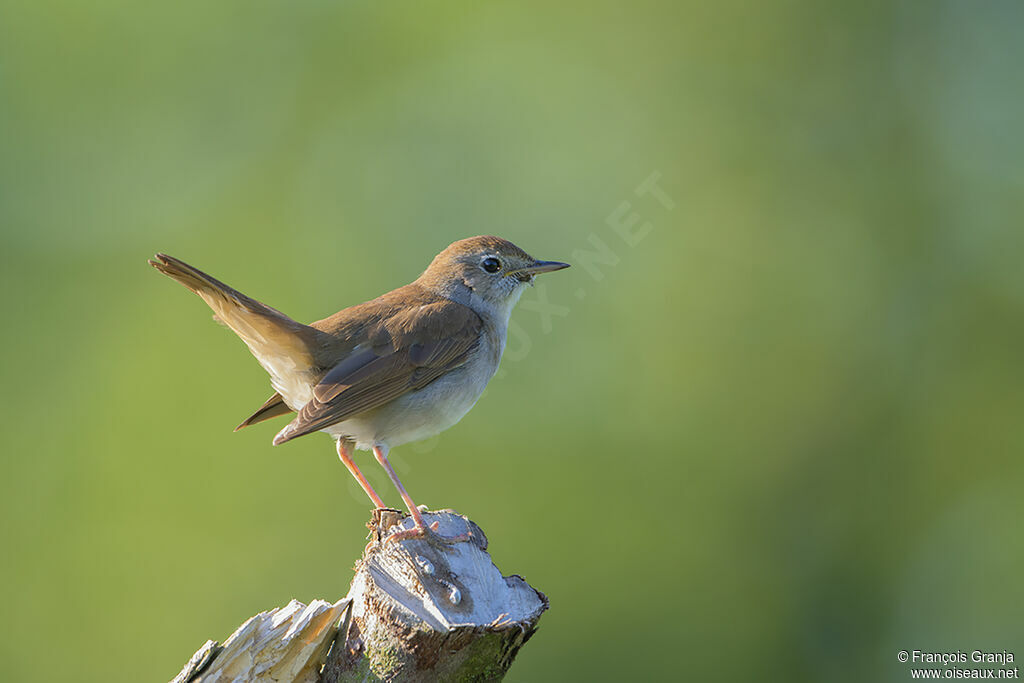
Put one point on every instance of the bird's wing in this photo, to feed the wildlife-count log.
(403, 352)
(274, 407)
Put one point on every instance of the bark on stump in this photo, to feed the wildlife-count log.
(417, 610)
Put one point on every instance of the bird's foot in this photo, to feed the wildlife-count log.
(428, 534)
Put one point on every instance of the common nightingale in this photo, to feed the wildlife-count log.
(402, 367)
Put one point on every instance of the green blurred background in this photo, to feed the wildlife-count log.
(778, 439)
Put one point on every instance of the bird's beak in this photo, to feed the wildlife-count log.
(543, 267)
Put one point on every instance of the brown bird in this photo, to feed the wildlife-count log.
(402, 367)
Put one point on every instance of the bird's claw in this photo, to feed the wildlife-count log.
(428, 534)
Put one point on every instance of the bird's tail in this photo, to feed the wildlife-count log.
(285, 348)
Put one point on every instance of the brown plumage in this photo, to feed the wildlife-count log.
(401, 367)
(404, 348)
(404, 351)
(273, 407)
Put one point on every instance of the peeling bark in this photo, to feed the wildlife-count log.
(417, 610)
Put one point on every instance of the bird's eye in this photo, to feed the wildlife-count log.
(491, 264)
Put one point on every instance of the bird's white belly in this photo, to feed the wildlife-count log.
(420, 414)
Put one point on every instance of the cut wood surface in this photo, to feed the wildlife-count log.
(417, 610)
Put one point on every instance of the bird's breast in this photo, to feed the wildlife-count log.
(429, 411)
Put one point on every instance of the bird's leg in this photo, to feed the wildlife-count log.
(346, 457)
(421, 529)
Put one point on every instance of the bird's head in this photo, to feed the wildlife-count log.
(485, 272)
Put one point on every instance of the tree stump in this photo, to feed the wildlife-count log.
(417, 610)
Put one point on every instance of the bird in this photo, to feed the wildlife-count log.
(396, 369)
